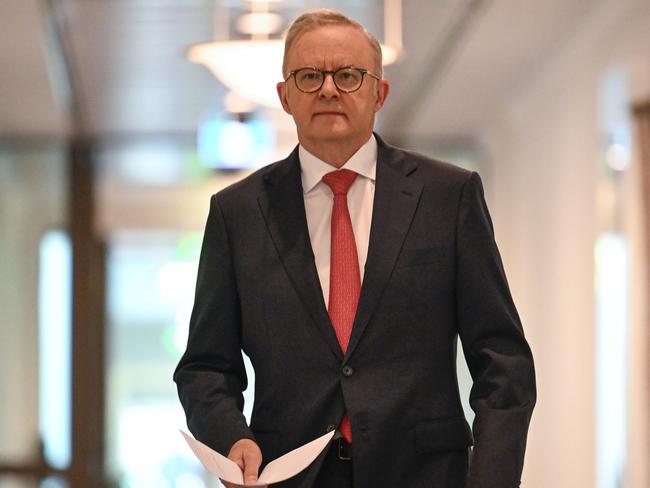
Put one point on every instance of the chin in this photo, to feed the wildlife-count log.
(332, 132)
(333, 136)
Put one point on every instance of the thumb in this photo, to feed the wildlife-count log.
(252, 460)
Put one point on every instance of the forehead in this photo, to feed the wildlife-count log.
(331, 46)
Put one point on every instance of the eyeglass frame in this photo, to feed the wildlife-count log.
(326, 72)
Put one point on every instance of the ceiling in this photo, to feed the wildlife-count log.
(117, 68)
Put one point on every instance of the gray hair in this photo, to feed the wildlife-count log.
(314, 19)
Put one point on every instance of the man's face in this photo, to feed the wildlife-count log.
(329, 115)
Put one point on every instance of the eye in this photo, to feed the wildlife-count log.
(309, 75)
(348, 77)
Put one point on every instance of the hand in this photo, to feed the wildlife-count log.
(248, 456)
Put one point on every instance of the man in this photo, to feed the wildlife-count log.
(346, 273)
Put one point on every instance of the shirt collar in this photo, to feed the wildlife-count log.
(312, 169)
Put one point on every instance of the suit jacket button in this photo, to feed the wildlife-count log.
(347, 371)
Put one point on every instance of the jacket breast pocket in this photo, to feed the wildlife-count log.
(443, 435)
(418, 257)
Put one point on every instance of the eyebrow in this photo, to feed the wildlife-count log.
(335, 69)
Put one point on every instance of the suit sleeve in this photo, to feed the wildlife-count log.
(499, 359)
(211, 375)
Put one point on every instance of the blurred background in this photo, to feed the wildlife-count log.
(119, 119)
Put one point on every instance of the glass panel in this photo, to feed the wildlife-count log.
(33, 193)
(54, 482)
(55, 338)
(612, 268)
(151, 280)
(611, 358)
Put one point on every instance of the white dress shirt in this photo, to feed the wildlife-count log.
(319, 199)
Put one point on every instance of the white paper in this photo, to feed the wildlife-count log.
(281, 469)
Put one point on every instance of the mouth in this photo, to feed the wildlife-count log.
(329, 112)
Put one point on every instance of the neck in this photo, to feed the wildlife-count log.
(335, 153)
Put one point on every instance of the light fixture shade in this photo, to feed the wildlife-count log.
(389, 54)
(251, 68)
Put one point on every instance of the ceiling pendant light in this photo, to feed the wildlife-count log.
(252, 67)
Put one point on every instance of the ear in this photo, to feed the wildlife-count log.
(383, 87)
(281, 88)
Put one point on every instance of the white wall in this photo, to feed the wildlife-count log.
(545, 150)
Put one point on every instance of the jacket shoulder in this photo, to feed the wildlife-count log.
(248, 188)
(430, 171)
(248, 185)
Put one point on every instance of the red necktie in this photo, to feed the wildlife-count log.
(345, 280)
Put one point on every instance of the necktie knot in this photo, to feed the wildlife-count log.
(340, 181)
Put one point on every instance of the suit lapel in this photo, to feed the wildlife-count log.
(283, 207)
(396, 198)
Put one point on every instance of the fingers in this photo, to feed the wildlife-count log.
(248, 456)
(231, 485)
(252, 461)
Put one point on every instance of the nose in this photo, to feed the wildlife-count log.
(328, 90)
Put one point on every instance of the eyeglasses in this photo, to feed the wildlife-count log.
(347, 79)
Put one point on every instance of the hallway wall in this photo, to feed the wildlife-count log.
(546, 149)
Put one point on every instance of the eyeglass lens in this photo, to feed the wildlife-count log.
(346, 79)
